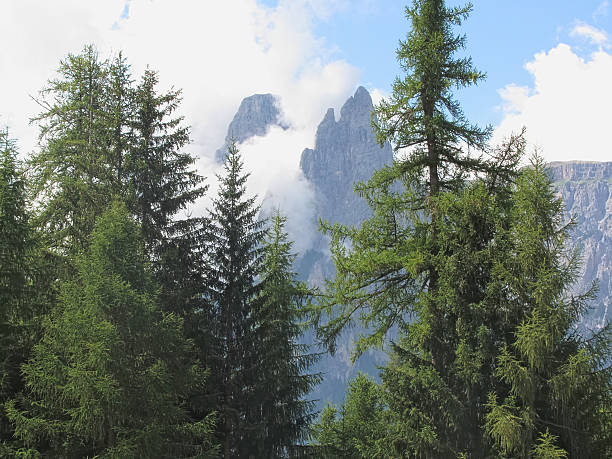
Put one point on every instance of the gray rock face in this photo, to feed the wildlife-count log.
(586, 189)
(345, 152)
(254, 117)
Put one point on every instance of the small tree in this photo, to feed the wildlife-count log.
(359, 428)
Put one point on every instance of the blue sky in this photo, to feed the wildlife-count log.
(502, 36)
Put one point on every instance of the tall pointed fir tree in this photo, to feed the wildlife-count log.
(234, 260)
(279, 409)
(15, 245)
(107, 377)
(163, 183)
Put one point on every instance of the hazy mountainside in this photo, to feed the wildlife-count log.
(253, 118)
(586, 188)
(346, 151)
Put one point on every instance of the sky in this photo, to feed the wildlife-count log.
(548, 66)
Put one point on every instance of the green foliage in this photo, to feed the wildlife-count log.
(69, 172)
(14, 247)
(421, 113)
(27, 274)
(103, 137)
(107, 377)
(358, 428)
(279, 409)
(556, 382)
(161, 184)
(233, 260)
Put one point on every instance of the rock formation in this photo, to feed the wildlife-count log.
(254, 117)
(586, 189)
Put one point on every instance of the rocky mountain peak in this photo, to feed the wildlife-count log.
(357, 109)
(345, 152)
(256, 114)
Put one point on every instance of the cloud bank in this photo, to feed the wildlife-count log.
(566, 111)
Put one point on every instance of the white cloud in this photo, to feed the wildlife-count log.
(593, 34)
(217, 52)
(272, 159)
(566, 112)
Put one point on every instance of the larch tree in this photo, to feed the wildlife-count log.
(556, 396)
(69, 171)
(425, 260)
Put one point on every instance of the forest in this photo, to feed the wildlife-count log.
(131, 328)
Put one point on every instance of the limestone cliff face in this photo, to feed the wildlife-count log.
(586, 189)
(254, 117)
(345, 152)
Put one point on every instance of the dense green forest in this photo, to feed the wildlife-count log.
(129, 329)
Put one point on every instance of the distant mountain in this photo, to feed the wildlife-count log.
(586, 189)
(256, 114)
(346, 152)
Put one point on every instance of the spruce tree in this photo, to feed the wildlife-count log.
(234, 260)
(162, 184)
(107, 377)
(27, 278)
(279, 408)
(15, 246)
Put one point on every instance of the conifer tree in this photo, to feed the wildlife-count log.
(103, 137)
(15, 244)
(234, 260)
(557, 391)
(69, 171)
(279, 409)
(429, 258)
(358, 428)
(27, 276)
(107, 377)
(161, 184)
